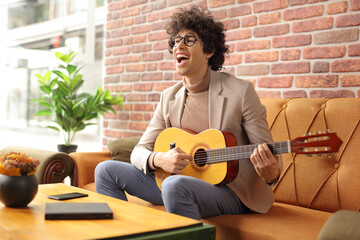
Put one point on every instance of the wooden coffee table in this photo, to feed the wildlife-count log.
(131, 221)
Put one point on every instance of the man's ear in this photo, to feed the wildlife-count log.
(209, 55)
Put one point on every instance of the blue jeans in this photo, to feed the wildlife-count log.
(183, 195)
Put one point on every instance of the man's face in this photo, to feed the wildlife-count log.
(188, 54)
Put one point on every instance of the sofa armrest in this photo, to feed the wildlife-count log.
(344, 224)
(54, 166)
(85, 164)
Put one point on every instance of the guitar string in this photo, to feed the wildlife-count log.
(242, 154)
(251, 148)
(204, 158)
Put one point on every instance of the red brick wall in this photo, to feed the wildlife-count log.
(287, 48)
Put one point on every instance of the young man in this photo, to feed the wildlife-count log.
(205, 98)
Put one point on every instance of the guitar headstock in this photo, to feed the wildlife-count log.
(318, 143)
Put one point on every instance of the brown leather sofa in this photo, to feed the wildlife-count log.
(310, 190)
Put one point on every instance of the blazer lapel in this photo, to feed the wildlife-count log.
(176, 108)
(216, 101)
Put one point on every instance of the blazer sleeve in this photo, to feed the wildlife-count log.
(141, 152)
(254, 119)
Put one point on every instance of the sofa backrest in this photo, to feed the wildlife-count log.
(318, 182)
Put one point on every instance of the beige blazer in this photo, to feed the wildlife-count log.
(233, 106)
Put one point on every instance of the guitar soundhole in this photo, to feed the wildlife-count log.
(200, 157)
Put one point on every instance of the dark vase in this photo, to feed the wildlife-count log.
(67, 149)
(17, 191)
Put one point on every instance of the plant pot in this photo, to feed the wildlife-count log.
(17, 191)
(67, 149)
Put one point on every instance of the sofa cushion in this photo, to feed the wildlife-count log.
(282, 222)
(121, 149)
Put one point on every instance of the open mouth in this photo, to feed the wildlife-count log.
(181, 57)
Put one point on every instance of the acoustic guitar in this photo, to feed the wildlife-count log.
(216, 155)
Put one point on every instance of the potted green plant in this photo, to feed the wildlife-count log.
(72, 111)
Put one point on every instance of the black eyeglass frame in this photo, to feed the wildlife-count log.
(172, 40)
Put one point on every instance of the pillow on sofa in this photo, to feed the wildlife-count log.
(343, 224)
(121, 149)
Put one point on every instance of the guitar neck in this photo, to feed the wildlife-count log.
(243, 152)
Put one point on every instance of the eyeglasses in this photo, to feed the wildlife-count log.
(189, 40)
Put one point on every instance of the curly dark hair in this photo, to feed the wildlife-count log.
(211, 33)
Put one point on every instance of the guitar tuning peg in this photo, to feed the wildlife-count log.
(318, 132)
(319, 154)
(309, 155)
(306, 134)
(329, 155)
(327, 130)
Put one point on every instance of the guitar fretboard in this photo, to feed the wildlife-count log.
(243, 152)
